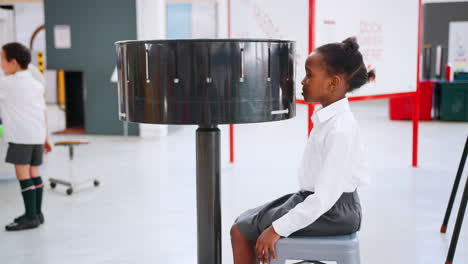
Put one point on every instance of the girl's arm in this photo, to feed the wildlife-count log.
(47, 144)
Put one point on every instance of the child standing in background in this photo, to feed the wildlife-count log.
(23, 112)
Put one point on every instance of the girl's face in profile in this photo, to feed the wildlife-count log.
(316, 81)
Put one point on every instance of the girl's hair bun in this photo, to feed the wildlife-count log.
(350, 45)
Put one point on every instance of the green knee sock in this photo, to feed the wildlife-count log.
(39, 187)
(29, 197)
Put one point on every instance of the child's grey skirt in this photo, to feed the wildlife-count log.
(343, 218)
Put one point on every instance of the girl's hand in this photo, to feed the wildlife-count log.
(47, 146)
(266, 244)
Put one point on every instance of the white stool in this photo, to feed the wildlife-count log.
(341, 249)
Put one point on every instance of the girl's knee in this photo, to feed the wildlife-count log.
(22, 177)
(234, 230)
(236, 233)
(22, 172)
(35, 171)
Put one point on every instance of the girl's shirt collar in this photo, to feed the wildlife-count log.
(322, 114)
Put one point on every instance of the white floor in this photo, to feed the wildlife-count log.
(144, 211)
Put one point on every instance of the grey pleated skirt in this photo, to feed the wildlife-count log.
(342, 219)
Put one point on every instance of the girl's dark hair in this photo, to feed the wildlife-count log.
(345, 58)
(18, 52)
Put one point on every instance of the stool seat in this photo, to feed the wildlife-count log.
(70, 143)
(342, 249)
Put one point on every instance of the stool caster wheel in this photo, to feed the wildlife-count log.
(69, 191)
(96, 183)
(53, 185)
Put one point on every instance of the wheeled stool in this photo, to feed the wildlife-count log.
(71, 183)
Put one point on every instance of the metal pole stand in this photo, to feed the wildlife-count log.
(443, 229)
(208, 194)
(461, 212)
(458, 225)
(157, 85)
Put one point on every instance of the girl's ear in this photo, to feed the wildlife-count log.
(333, 83)
(337, 82)
(15, 63)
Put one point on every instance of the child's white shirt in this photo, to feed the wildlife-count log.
(23, 108)
(333, 163)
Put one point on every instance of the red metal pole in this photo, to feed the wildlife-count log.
(311, 107)
(231, 127)
(417, 94)
(311, 25)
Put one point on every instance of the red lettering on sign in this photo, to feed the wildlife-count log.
(371, 40)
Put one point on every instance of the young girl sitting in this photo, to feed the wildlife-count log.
(332, 167)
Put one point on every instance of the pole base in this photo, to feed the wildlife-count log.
(443, 229)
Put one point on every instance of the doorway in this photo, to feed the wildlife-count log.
(74, 103)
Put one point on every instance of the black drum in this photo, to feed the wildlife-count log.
(206, 81)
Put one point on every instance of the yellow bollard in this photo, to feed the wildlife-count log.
(61, 87)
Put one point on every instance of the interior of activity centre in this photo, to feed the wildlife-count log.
(233, 131)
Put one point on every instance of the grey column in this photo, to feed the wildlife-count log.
(208, 195)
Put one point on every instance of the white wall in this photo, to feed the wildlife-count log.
(151, 19)
(222, 18)
(7, 26)
(204, 19)
(275, 19)
(28, 17)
